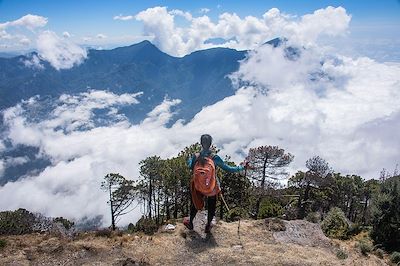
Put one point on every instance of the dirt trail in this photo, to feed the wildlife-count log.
(256, 246)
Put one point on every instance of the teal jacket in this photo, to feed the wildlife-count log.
(217, 161)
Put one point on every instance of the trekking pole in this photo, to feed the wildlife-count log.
(226, 205)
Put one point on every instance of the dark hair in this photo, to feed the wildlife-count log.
(205, 141)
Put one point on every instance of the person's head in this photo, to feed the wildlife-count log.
(205, 141)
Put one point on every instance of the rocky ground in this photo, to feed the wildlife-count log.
(270, 242)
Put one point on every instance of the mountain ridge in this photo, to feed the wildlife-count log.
(138, 67)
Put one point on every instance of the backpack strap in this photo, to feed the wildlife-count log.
(197, 155)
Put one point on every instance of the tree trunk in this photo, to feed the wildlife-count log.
(175, 205)
(303, 202)
(154, 205)
(158, 206)
(262, 186)
(351, 207)
(167, 210)
(150, 196)
(112, 210)
(364, 217)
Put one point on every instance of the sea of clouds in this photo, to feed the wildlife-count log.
(346, 110)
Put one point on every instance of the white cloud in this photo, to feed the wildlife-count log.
(60, 53)
(15, 161)
(347, 113)
(158, 22)
(161, 114)
(17, 34)
(25, 41)
(66, 34)
(329, 21)
(91, 153)
(4, 35)
(87, 39)
(29, 21)
(177, 12)
(124, 18)
(240, 33)
(101, 36)
(34, 62)
(333, 106)
(11, 162)
(12, 33)
(343, 109)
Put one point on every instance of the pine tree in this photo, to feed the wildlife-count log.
(268, 166)
(122, 194)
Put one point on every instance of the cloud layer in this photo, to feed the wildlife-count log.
(236, 32)
(60, 53)
(15, 33)
(345, 110)
(29, 21)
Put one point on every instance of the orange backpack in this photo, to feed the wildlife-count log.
(204, 177)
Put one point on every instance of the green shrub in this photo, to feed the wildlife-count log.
(16, 222)
(365, 246)
(379, 253)
(395, 257)
(269, 208)
(146, 225)
(65, 222)
(341, 254)
(103, 233)
(335, 224)
(354, 229)
(313, 217)
(386, 215)
(3, 243)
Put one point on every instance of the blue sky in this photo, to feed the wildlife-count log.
(90, 11)
(373, 23)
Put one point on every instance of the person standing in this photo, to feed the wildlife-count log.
(204, 183)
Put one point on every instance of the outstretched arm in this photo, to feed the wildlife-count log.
(190, 161)
(218, 161)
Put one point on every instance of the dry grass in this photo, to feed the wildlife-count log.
(256, 246)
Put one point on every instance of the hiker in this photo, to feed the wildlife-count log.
(204, 182)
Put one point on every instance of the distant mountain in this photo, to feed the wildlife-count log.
(198, 79)
(291, 52)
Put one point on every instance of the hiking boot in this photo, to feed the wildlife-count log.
(208, 228)
(187, 223)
